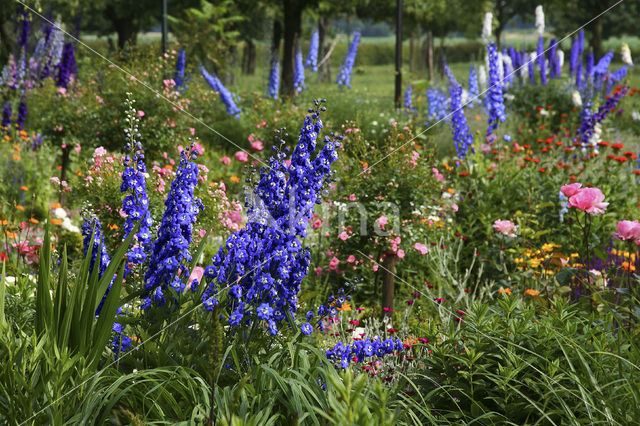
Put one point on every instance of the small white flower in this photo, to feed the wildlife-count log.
(626, 54)
(576, 98)
(486, 27)
(60, 213)
(539, 20)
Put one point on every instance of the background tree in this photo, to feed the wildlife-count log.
(570, 15)
(208, 32)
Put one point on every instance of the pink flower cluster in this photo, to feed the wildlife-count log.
(589, 200)
(505, 227)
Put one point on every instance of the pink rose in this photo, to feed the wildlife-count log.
(242, 156)
(318, 271)
(505, 227)
(225, 160)
(569, 190)
(196, 274)
(352, 197)
(317, 224)
(343, 236)
(628, 231)
(589, 200)
(140, 113)
(382, 221)
(422, 248)
(257, 146)
(351, 258)
(400, 253)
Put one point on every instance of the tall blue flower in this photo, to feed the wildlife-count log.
(226, 96)
(507, 67)
(344, 75)
(574, 56)
(6, 116)
(171, 248)
(449, 73)
(616, 77)
(312, 57)
(589, 119)
(264, 263)
(408, 99)
(67, 66)
(473, 85)
(178, 75)
(495, 98)
(298, 71)
(91, 225)
(136, 206)
(542, 62)
(22, 114)
(580, 44)
(24, 30)
(437, 104)
(359, 350)
(551, 56)
(274, 77)
(462, 137)
(532, 72)
(579, 80)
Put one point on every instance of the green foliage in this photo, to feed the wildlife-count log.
(207, 33)
(532, 364)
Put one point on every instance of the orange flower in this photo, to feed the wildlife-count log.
(16, 156)
(4, 222)
(505, 291)
(34, 220)
(112, 227)
(11, 235)
(19, 207)
(628, 266)
(56, 221)
(56, 205)
(235, 179)
(531, 292)
(24, 188)
(346, 307)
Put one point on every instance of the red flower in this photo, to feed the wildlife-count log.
(604, 143)
(617, 145)
(465, 173)
(3, 256)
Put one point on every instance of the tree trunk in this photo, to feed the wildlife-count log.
(125, 29)
(7, 38)
(388, 282)
(249, 57)
(412, 42)
(398, 85)
(443, 56)
(66, 154)
(498, 32)
(292, 18)
(596, 39)
(325, 69)
(430, 54)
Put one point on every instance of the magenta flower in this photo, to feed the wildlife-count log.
(589, 200)
(628, 231)
(225, 160)
(505, 227)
